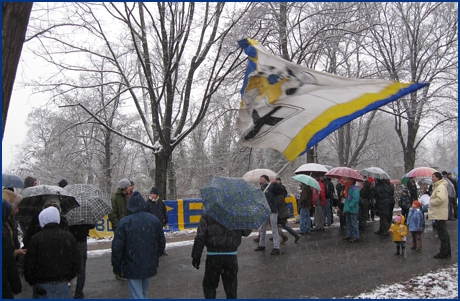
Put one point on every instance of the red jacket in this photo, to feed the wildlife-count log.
(321, 194)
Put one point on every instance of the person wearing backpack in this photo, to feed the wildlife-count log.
(405, 202)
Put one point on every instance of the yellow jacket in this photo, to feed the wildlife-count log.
(439, 201)
(399, 230)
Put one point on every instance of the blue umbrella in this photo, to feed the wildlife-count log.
(235, 203)
(10, 180)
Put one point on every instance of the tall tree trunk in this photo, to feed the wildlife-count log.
(162, 160)
(15, 20)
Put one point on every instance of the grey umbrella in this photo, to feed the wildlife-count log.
(10, 180)
(94, 204)
(375, 172)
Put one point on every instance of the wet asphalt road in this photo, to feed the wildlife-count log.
(320, 265)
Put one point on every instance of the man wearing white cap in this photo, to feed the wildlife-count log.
(52, 258)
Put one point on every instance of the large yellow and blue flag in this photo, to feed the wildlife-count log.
(291, 108)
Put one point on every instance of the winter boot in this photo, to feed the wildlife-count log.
(397, 250)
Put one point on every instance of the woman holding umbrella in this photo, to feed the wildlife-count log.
(351, 209)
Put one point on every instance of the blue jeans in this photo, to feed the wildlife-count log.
(352, 225)
(138, 288)
(328, 212)
(305, 222)
(81, 275)
(51, 290)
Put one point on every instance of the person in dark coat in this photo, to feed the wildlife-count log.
(365, 198)
(156, 206)
(34, 226)
(382, 200)
(283, 212)
(52, 258)
(222, 249)
(138, 241)
(412, 187)
(392, 200)
(11, 283)
(272, 219)
(80, 233)
(119, 202)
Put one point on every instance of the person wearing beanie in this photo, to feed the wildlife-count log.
(49, 276)
(399, 231)
(157, 207)
(119, 202)
(142, 234)
(11, 283)
(415, 225)
(63, 183)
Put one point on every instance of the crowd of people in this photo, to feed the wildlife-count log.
(53, 252)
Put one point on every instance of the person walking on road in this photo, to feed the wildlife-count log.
(221, 260)
(157, 207)
(283, 212)
(272, 219)
(138, 241)
(438, 211)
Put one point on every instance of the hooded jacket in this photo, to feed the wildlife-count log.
(52, 253)
(119, 203)
(306, 197)
(415, 220)
(138, 241)
(399, 230)
(439, 201)
(352, 200)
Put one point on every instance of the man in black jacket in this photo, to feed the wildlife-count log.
(222, 248)
(52, 258)
(272, 219)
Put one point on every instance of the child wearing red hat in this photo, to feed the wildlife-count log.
(415, 225)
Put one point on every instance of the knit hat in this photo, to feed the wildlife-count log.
(13, 198)
(63, 183)
(124, 183)
(417, 203)
(398, 218)
(154, 190)
(49, 215)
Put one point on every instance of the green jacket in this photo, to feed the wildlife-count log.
(119, 203)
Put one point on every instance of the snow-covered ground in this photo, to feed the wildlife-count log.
(440, 284)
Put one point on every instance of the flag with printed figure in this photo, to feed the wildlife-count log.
(291, 108)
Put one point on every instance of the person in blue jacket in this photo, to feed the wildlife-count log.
(351, 209)
(138, 241)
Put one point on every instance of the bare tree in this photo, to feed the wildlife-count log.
(417, 42)
(182, 52)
